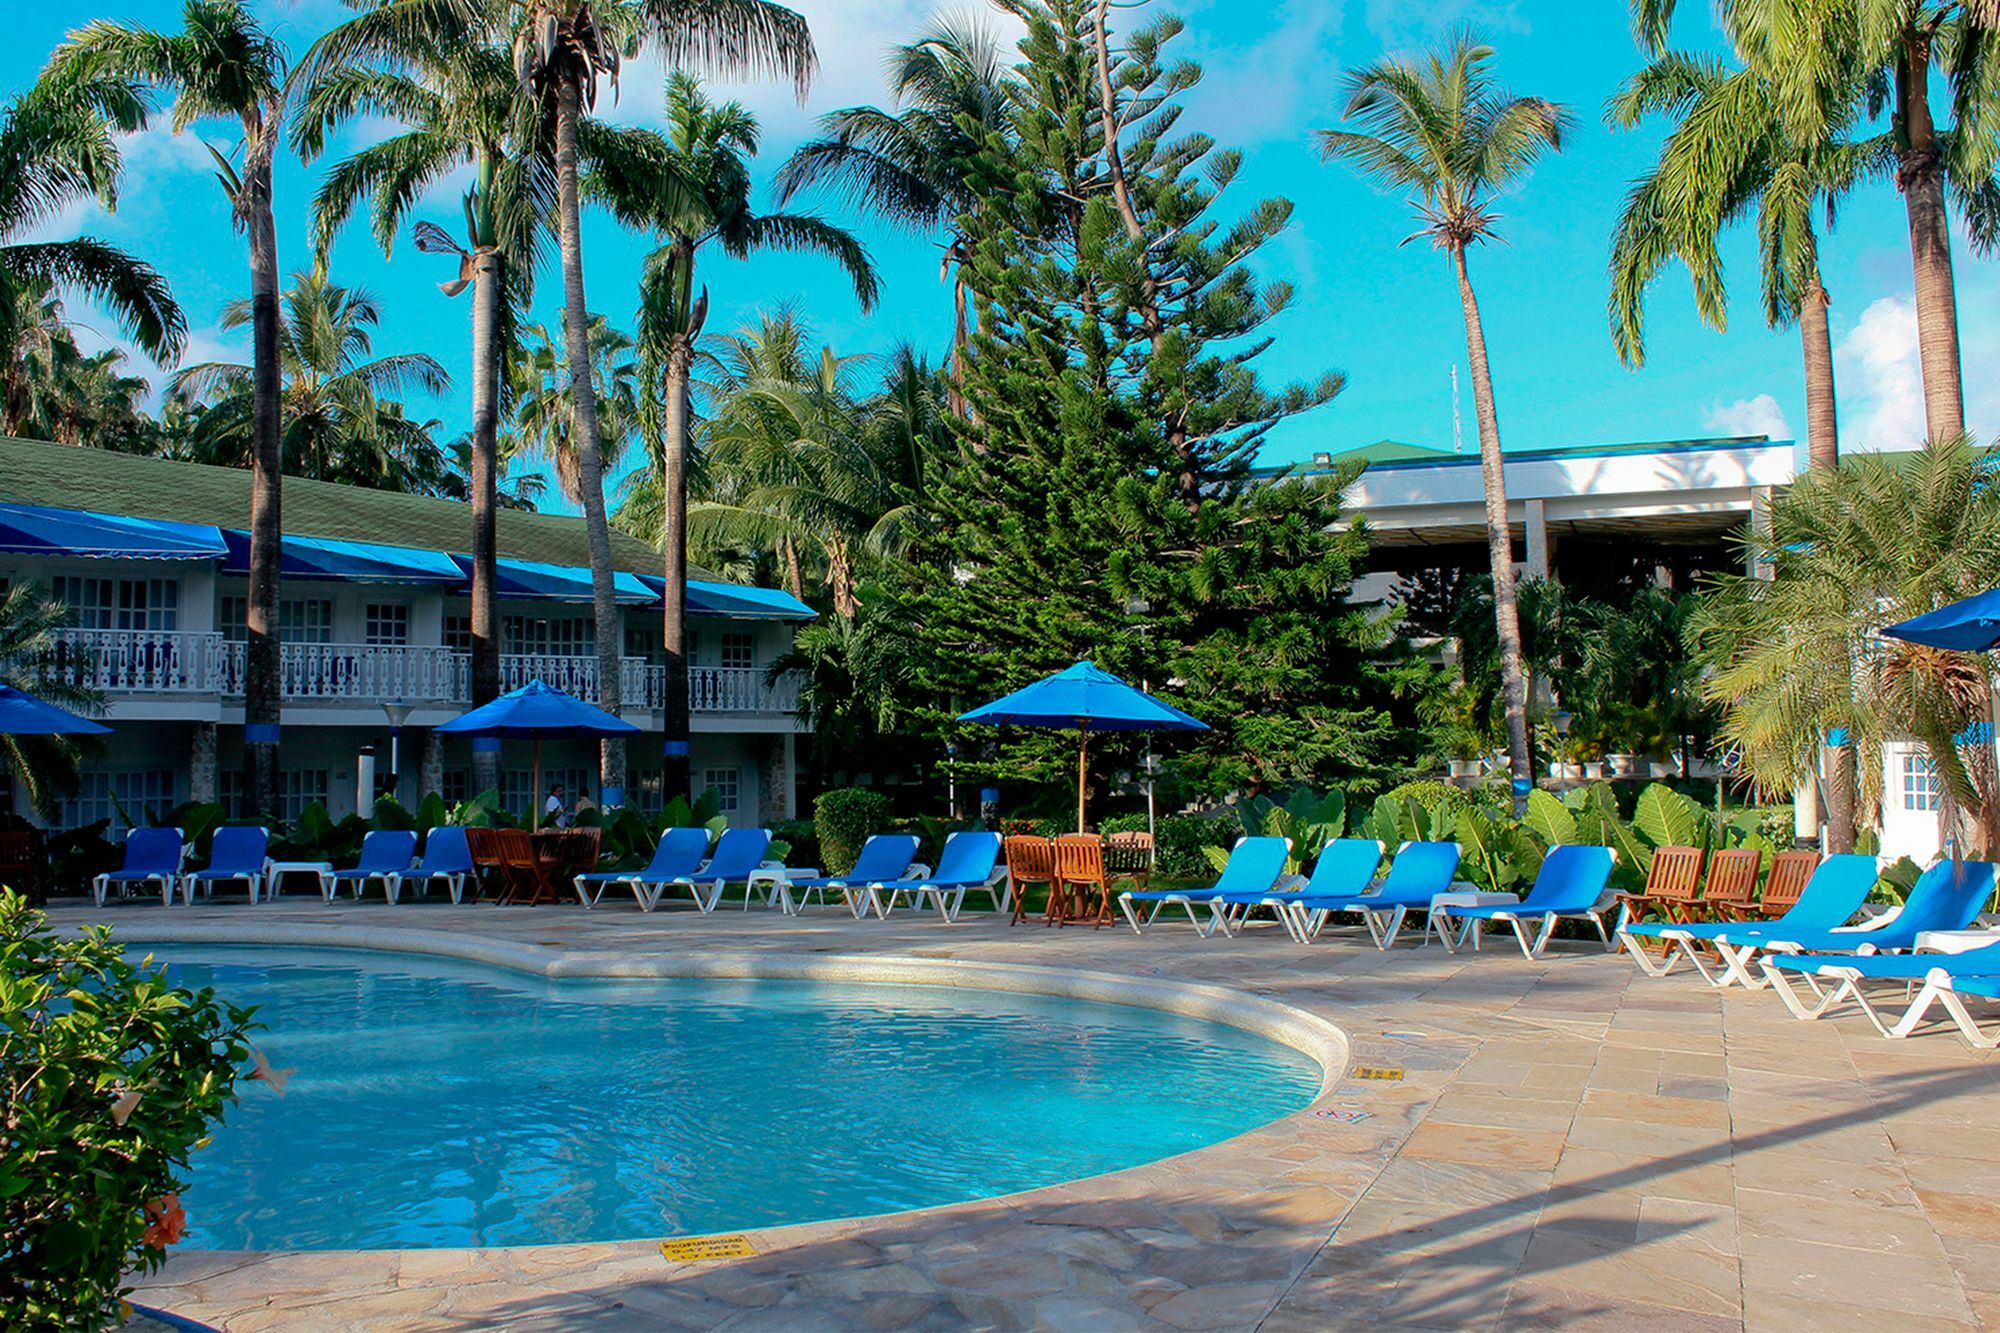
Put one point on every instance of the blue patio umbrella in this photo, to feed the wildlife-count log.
(1089, 700)
(22, 714)
(1970, 625)
(538, 711)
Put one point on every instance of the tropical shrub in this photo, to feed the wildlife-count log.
(1182, 843)
(1308, 819)
(845, 817)
(112, 1077)
(801, 836)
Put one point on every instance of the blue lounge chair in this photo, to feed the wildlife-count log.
(237, 855)
(738, 854)
(1948, 896)
(1831, 897)
(1829, 980)
(1345, 868)
(384, 852)
(680, 854)
(1947, 989)
(1571, 883)
(152, 858)
(1255, 866)
(883, 859)
(447, 857)
(969, 863)
(1420, 872)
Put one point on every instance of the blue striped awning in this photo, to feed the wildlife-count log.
(38, 530)
(738, 601)
(527, 581)
(326, 559)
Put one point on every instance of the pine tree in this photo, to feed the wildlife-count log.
(1103, 506)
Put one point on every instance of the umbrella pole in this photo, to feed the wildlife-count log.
(1082, 742)
(535, 792)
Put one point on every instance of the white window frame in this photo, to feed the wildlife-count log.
(739, 651)
(1923, 789)
(727, 784)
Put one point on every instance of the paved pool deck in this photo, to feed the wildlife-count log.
(1572, 1144)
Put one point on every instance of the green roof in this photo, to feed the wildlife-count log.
(67, 476)
(1396, 451)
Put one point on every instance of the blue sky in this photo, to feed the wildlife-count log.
(1385, 314)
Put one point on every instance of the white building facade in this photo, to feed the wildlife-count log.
(157, 599)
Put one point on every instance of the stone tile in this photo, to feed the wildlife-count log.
(1525, 1149)
(1905, 1284)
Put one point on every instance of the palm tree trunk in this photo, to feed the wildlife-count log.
(1838, 761)
(590, 457)
(677, 766)
(487, 277)
(795, 578)
(1499, 543)
(1920, 173)
(955, 394)
(262, 667)
(1822, 429)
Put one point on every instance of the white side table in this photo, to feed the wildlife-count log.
(1955, 941)
(1435, 921)
(276, 871)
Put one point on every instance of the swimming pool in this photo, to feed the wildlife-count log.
(442, 1104)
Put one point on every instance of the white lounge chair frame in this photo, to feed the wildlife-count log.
(1468, 928)
(100, 885)
(948, 899)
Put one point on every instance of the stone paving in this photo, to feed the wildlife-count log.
(1573, 1144)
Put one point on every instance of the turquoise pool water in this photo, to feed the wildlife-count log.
(444, 1104)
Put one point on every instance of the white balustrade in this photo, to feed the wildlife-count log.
(127, 662)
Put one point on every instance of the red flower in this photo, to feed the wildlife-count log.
(164, 1221)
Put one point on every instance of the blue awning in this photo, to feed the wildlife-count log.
(329, 560)
(527, 581)
(37, 530)
(738, 601)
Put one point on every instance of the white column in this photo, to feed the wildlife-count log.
(1537, 524)
(1760, 527)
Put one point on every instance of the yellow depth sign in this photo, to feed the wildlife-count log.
(706, 1249)
(1376, 1071)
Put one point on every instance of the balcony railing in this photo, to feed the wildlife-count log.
(182, 664)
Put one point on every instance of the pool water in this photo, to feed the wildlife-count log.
(446, 1104)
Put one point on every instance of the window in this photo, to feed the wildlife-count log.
(458, 633)
(645, 789)
(297, 789)
(456, 785)
(726, 784)
(517, 787)
(561, 636)
(386, 624)
(120, 798)
(1922, 790)
(739, 651)
(300, 619)
(126, 604)
(642, 643)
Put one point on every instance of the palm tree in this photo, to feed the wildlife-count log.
(444, 71)
(1731, 155)
(45, 767)
(223, 64)
(1838, 61)
(1440, 130)
(562, 48)
(58, 147)
(342, 419)
(706, 149)
(799, 462)
(912, 165)
(545, 426)
(1798, 654)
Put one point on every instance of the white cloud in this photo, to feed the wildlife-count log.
(1749, 416)
(1880, 379)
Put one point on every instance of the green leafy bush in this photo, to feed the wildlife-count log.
(1309, 819)
(112, 1077)
(802, 837)
(845, 817)
(1181, 851)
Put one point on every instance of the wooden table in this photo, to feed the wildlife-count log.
(560, 856)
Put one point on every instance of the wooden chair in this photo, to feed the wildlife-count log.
(1732, 881)
(1079, 873)
(1030, 860)
(1673, 887)
(21, 862)
(489, 875)
(519, 864)
(1789, 873)
(1129, 856)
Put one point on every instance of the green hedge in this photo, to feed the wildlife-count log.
(1180, 839)
(844, 819)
